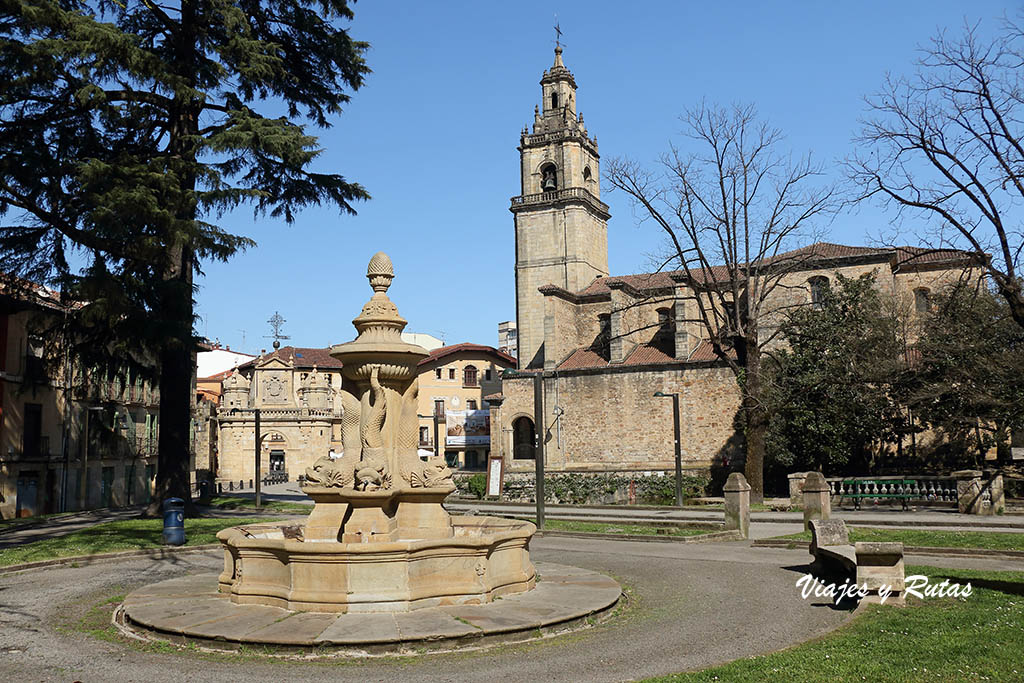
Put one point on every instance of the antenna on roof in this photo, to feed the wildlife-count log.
(276, 321)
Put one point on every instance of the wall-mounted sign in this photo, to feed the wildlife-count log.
(468, 427)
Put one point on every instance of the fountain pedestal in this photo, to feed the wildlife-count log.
(351, 516)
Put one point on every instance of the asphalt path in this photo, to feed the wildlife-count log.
(688, 607)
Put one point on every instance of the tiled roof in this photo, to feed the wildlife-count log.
(216, 376)
(648, 354)
(706, 352)
(583, 358)
(819, 251)
(647, 281)
(302, 357)
(445, 351)
(914, 255)
(828, 250)
(642, 354)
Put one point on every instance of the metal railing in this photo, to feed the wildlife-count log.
(567, 193)
(276, 477)
(927, 489)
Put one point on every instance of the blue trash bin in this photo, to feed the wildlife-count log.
(174, 521)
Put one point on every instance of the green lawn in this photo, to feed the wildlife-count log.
(626, 529)
(977, 638)
(132, 534)
(237, 503)
(990, 540)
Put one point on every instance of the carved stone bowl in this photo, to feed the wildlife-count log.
(484, 558)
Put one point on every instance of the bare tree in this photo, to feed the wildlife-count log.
(733, 210)
(947, 144)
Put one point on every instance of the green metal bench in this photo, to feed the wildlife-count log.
(878, 489)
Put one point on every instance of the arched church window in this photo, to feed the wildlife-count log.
(819, 286)
(549, 178)
(554, 100)
(587, 176)
(922, 300)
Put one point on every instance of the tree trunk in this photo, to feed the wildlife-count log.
(175, 299)
(176, 387)
(756, 424)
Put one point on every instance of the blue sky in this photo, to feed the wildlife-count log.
(433, 133)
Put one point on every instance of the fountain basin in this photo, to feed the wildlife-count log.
(484, 558)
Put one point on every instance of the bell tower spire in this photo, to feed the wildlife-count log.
(561, 224)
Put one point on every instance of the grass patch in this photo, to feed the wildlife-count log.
(935, 639)
(988, 540)
(132, 534)
(622, 529)
(239, 503)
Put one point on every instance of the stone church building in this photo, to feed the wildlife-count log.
(605, 344)
(295, 390)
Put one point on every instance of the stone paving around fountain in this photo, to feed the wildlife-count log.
(192, 607)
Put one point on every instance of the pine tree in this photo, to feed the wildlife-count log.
(127, 127)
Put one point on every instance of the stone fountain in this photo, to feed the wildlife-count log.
(379, 565)
(378, 539)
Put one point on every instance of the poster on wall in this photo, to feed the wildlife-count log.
(468, 427)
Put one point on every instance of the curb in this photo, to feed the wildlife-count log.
(714, 537)
(707, 524)
(159, 553)
(907, 549)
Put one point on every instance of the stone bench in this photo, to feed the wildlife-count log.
(873, 565)
(881, 564)
(831, 547)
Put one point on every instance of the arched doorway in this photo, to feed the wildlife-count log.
(275, 449)
(523, 439)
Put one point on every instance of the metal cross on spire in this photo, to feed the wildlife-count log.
(558, 33)
(276, 321)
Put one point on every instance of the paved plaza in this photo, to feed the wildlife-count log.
(686, 607)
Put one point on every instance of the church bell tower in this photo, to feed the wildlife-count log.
(561, 224)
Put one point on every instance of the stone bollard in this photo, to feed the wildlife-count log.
(796, 485)
(995, 487)
(968, 492)
(737, 504)
(817, 499)
(878, 565)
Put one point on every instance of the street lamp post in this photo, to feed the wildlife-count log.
(83, 484)
(538, 452)
(256, 449)
(437, 431)
(679, 455)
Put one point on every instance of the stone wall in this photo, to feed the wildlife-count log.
(612, 421)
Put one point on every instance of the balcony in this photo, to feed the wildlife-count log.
(569, 194)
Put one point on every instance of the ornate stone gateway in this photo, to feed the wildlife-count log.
(378, 538)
